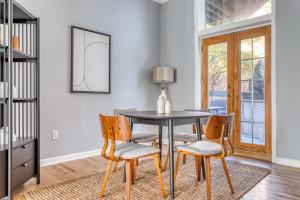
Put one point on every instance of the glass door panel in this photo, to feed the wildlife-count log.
(252, 91)
(217, 76)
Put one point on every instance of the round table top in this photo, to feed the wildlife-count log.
(174, 115)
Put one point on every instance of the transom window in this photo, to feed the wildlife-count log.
(218, 12)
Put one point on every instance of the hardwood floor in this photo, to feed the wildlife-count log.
(282, 183)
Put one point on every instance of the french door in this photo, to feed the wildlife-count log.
(236, 77)
(217, 73)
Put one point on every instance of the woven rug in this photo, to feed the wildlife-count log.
(244, 177)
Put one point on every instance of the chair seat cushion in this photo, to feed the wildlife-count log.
(132, 150)
(201, 148)
(185, 137)
(144, 137)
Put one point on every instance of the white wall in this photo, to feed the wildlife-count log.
(287, 78)
(178, 49)
(135, 29)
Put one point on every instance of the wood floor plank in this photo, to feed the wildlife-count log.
(282, 183)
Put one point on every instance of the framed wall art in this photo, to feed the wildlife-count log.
(90, 61)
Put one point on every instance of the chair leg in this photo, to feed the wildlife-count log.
(184, 157)
(106, 179)
(132, 166)
(208, 178)
(135, 168)
(116, 166)
(177, 166)
(128, 180)
(162, 186)
(166, 160)
(227, 175)
(198, 167)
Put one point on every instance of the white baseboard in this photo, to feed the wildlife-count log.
(69, 157)
(76, 156)
(288, 162)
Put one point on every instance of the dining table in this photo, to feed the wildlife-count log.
(175, 118)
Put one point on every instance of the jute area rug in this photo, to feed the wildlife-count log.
(244, 177)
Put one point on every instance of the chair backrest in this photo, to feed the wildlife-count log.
(219, 128)
(114, 128)
(118, 111)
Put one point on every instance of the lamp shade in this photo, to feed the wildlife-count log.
(163, 74)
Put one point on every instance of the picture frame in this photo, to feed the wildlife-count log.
(90, 61)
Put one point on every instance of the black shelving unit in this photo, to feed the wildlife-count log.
(19, 98)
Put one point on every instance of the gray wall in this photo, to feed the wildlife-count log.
(177, 49)
(135, 29)
(287, 78)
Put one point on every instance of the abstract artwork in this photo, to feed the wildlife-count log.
(90, 61)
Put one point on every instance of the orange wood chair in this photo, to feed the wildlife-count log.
(117, 128)
(217, 145)
(186, 137)
(143, 137)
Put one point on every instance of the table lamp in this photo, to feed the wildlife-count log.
(164, 75)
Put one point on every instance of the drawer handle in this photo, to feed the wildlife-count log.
(25, 165)
(24, 147)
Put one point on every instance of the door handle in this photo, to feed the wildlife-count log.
(229, 95)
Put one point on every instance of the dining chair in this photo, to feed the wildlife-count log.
(117, 128)
(186, 137)
(217, 145)
(139, 137)
(143, 137)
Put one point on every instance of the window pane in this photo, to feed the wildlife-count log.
(246, 90)
(259, 90)
(217, 76)
(246, 111)
(259, 69)
(246, 132)
(259, 47)
(246, 49)
(225, 11)
(259, 133)
(246, 70)
(259, 112)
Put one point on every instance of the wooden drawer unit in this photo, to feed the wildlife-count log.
(3, 184)
(3, 174)
(23, 173)
(23, 153)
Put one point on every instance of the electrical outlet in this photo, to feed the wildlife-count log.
(55, 134)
